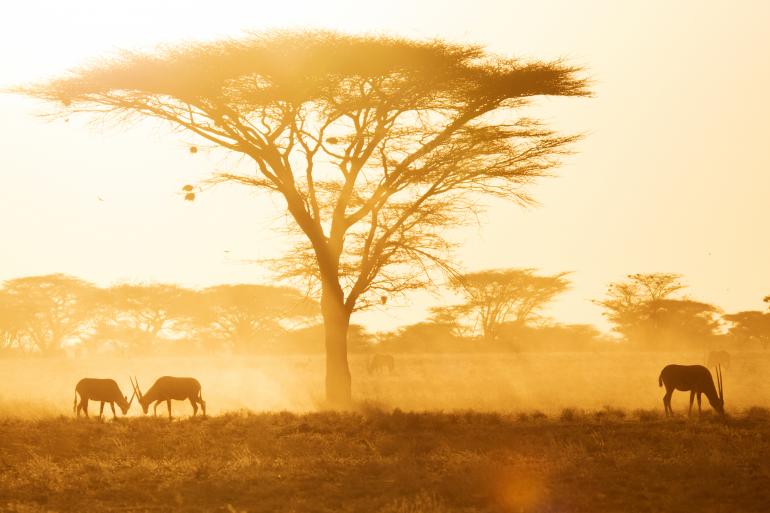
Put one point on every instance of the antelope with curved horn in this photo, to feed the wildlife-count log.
(695, 379)
(102, 390)
(167, 388)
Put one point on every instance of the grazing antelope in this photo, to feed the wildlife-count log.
(380, 362)
(697, 380)
(103, 390)
(167, 388)
(721, 358)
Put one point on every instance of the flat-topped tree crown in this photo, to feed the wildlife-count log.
(377, 144)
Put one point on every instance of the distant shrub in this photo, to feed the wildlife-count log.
(757, 413)
(570, 415)
(610, 413)
(647, 415)
(371, 408)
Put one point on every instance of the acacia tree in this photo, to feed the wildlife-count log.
(643, 310)
(627, 302)
(148, 308)
(376, 144)
(493, 297)
(245, 316)
(56, 307)
(133, 316)
(751, 325)
(13, 317)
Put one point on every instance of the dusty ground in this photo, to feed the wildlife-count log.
(374, 461)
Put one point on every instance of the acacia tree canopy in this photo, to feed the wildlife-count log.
(247, 316)
(375, 143)
(643, 311)
(50, 309)
(493, 297)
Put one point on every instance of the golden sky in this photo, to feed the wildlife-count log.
(672, 175)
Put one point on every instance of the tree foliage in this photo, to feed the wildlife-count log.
(50, 310)
(45, 314)
(642, 309)
(494, 297)
(13, 315)
(248, 317)
(751, 326)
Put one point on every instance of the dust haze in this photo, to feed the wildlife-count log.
(512, 383)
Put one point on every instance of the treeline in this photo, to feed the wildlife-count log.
(495, 311)
(55, 314)
(501, 310)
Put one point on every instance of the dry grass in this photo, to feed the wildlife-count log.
(370, 461)
(503, 433)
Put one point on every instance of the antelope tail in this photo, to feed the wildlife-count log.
(660, 380)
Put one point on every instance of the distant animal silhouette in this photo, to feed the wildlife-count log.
(380, 363)
(167, 388)
(102, 390)
(718, 358)
(697, 380)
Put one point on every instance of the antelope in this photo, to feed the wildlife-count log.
(719, 358)
(167, 388)
(697, 380)
(103, 390)
(380, 362)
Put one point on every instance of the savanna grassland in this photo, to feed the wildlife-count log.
(506, 383)
(389, 462)
(567, 432)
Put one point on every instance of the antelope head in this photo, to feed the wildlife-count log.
(140, 397)
(126, 404)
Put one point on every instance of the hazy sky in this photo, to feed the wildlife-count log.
(671, 176)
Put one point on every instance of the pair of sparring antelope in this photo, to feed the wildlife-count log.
(695, 379)
(165, 389)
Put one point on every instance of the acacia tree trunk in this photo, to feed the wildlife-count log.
(336, 322)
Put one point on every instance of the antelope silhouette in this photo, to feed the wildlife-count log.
(102, 390)
(167, 388)
(697, 380)
(380, 362)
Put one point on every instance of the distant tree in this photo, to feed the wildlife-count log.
(13, 317)
(680, 323)
(642, 310)
(750, 326)
(58, 308)
(133, 317)
(548, 338)
(115, 336)
(249, 317)
(494, 297)
(375, 144)
(149, 308)
(449, 317)
(422, 337)
(627, 305)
